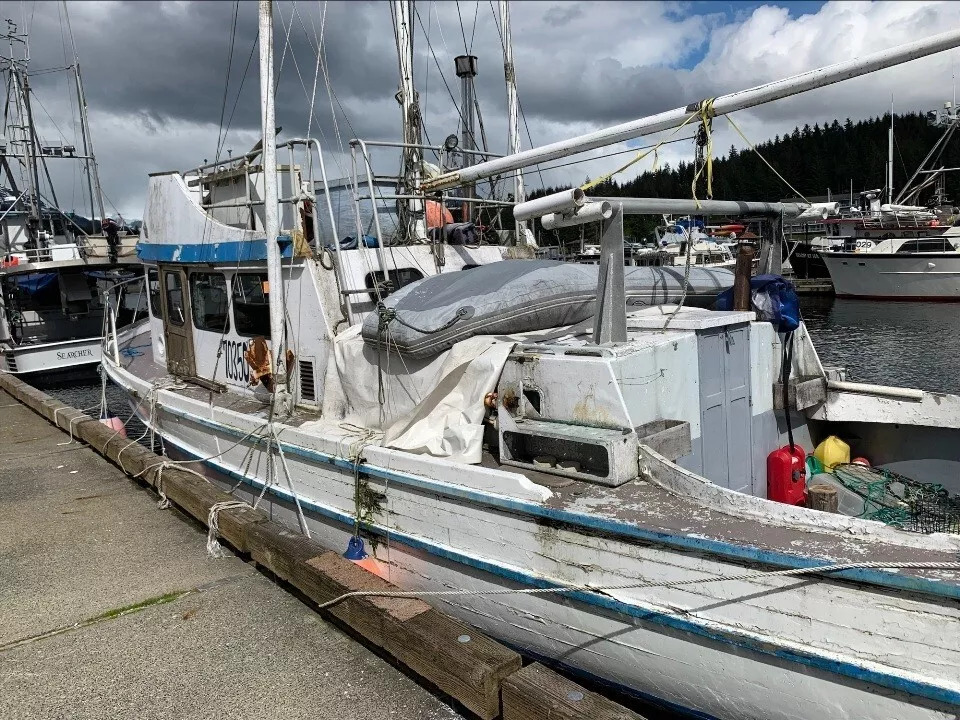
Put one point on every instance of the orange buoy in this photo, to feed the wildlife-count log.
(437, 214)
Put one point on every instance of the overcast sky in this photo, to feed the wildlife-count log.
(156, 76)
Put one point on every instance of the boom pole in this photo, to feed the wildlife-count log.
(721, 105)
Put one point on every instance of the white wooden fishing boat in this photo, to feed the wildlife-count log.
(615, 460)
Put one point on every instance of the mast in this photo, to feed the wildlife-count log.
(890, 155)
(20, 87)
(93, 174)
(414, 223)
(26, 135)
(466, 66)
(271, 217)
(513, 115)
(722, 105)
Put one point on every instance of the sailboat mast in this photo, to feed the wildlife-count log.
(513, 115)
(271, 215)
(90, 163)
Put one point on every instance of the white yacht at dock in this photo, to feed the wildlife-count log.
(492, 426)
(899, 269)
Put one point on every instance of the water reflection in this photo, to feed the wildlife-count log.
(912, 344)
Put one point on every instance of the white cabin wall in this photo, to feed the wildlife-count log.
(172, 216)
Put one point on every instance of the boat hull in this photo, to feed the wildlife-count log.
(80, 356)
(806, 262)
(727, 650)
(890, 276)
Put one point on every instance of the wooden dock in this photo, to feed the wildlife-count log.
(485, 678)
(812, 286)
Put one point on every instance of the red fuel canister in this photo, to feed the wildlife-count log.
(787, 475)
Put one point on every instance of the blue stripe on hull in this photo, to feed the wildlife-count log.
(718, 548)
(898, 683)
(222, 252)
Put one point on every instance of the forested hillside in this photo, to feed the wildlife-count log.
(813, 159)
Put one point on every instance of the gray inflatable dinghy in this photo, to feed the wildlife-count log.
(431, 315)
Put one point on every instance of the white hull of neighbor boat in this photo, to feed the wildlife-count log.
(782, 648)
(892, 276)
(70, 355)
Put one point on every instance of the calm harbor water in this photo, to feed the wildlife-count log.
(909, 344)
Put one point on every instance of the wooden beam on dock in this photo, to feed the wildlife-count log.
(538, 693)
(453, 656)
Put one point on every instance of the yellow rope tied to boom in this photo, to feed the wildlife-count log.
(641, 155)
(706, 114)
(782, 178)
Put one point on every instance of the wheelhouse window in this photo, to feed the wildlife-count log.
(251, 304)
(153, 282)
(174, 298)
(209, 301)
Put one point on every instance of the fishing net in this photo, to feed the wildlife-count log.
(900, 501)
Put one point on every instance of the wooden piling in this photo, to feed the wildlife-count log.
(538, 693)
(742, 274)
(824, 498)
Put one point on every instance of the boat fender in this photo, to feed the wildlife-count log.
(115, 424)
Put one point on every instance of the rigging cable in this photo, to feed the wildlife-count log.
(523, 115)
(226, 84)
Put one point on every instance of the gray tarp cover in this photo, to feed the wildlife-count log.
(516, 296)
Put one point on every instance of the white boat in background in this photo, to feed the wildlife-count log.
(54, 265)
(868, 220)
(899, 269)
(497, 426)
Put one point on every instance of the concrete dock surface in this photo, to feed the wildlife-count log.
(111, 608)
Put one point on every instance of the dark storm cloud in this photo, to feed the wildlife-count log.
(155, 71)
(168, 61)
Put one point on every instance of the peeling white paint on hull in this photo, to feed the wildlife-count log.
(727, 649)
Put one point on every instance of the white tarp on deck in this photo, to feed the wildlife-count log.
(431, 406)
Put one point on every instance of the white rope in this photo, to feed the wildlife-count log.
(286, 472)
(793, 572)
(77, 418)
(214, 548)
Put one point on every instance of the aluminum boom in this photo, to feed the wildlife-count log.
(668, 206)
(722, 105)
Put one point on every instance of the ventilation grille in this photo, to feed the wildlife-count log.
(308, 390)
(11, 362)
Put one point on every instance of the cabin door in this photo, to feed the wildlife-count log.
(725, 413)
(177, 329)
